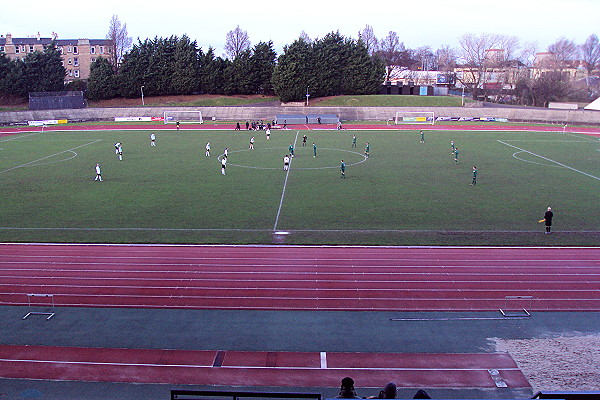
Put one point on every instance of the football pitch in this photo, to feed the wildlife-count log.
(404, 193)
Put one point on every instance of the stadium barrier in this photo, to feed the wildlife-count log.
(568, 395)
(528, 115)
(301, 119)
(235, 395)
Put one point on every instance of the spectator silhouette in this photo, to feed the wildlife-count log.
(388, 392)
(347, 389)
(421, 394)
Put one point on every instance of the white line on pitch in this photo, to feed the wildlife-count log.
(323, 360)
(19, 137)
(284, 186)
(547, 159)
(51, 155)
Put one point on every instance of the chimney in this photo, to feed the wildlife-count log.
(38, 36)
(8, 38)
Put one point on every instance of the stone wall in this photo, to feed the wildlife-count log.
(345, 113)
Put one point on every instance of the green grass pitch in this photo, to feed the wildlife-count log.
(405, 193)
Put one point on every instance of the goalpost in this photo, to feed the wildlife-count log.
(414, 117)
(184, 117)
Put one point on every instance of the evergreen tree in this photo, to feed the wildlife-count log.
(102, 80)
(263, 63)
(330, 66)
(238, 77)
(212, 72)
(132, 73)
(330, 60)
(44, 71)
(292, 75)
(5, 69)
(363, 73)
(186, 75)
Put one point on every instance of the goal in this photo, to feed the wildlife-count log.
(184, 117)
(414, 117)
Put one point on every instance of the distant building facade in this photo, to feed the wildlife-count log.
(77, 54)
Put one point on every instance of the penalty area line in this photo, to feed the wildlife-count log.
(32, 163)
(548, 159)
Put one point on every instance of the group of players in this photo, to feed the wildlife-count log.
(287, 160)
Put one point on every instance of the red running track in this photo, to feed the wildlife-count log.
(276, 369)
(301, 278)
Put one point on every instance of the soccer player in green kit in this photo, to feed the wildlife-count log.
(291, 150)
(343, 169)
(314, 150)
(456, 155)
(474, 181)
(422, 136)
(367, 150)
(353, 141)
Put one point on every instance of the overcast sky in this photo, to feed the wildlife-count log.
(418, 23)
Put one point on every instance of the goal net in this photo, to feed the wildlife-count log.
(410, 117)
(184, 117)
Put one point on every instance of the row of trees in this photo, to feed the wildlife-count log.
(37, 72)
(175, 66)
(330, 66)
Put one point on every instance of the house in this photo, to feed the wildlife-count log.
(77, 54)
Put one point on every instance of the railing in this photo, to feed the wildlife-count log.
(235, 395)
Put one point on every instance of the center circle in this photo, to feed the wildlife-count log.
(303, 153)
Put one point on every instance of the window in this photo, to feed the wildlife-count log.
(75, 51)
(70, 61)
(70, 72)
(61, 49)
(69, 49)
(76, 62)
(31, 48)
(76, 73)
(17, 50)
(101, 49)
(1, 49)
(23, 48)
(93, 60)
(92, 50)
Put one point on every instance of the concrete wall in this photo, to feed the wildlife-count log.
(269, 113)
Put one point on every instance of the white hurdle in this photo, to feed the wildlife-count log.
(49, 303)
(517, 306)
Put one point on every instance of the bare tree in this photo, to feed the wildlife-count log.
(425, 57)
(590, 51)
(511, 47)
(563, 50)
(527, 54)
(120, 42)
(304, 36)
(446, 58)
(369, 39)
(391, 51)
(236, 42)
(474, 55)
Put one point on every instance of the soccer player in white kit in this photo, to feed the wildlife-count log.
(98, 173)
(286, 162)
(223, 165)
(207, 149)
(152, 139)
